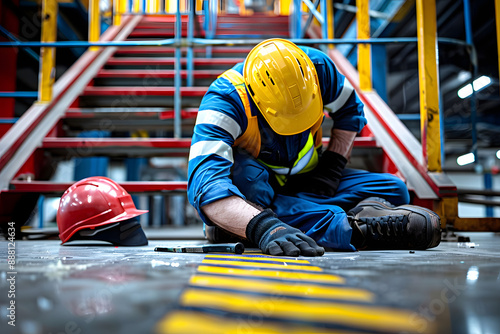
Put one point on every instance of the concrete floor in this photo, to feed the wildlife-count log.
(454, 288)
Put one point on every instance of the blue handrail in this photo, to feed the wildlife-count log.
(212, 42)
(21, 94)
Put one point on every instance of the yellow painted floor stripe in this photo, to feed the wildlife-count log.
(262, 265)
(277, 274)
(257, 258)
(373, 317)
(283, 289)
(182, 322)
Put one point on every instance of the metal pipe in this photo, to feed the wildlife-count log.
(479, 192)
(473, 56)
(465, 199)
(497, 20)
(7, 34)
(94, 23)
(228, 42)
(177, 78)
(324, 13)
(364, 50)
(428, 85)
(19, 94)
(190, 65)
(310, 18)
(47, 75)
(330, 22)
(312, 9)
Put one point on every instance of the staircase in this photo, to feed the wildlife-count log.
(121, 90)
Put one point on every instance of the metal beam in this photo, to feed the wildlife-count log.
(364, 50)
(94, 23)
(47, 75)
(429, 84)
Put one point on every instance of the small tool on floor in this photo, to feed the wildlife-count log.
(235, 248)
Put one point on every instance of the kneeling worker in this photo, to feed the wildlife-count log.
(257, 170)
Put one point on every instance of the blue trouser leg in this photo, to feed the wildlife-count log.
(322, 218)
(357, 185)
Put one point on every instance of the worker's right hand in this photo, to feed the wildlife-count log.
(277, 238)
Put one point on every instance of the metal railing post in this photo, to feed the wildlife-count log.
(497, 20)
(94, 23)
(177, 78)
(429, 84)
(48, 54)
(192, 8)
(364, 49)
(473, 56)
(119, 8)
(329, 22)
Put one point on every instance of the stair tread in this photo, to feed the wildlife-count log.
(62, 142)
(137, 73)
(130, 186)
(142, 90)
(167, 49)
(171, 61)
(157, 113)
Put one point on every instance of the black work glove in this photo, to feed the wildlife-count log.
(277, 238)
(323, 180)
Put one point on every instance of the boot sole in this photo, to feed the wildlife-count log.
(433, 233)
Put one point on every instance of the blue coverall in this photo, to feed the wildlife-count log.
(218, 170)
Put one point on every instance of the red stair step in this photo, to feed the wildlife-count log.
(159, 113)
(167, 49)
(143, 91)
(63, 142)
(171, 61)
(197, 74)
(48, 187)
(161, 33)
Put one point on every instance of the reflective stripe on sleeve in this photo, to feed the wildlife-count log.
(207, 147)
(340, 101)
(219, 119)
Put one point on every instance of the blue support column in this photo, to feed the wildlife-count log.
(488, 185)
(473, 98)
(94, 166)
(379, 70)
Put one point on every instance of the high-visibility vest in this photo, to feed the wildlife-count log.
(250, 140)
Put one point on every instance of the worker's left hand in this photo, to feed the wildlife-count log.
(323, 180)
(277, 238)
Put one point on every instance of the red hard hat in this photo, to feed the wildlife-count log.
(92, 203)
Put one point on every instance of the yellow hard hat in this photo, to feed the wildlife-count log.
(284, 85)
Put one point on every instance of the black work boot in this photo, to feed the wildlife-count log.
(377, 224)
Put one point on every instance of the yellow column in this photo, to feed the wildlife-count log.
(47, 72)
(94, 23)
(117, 18)
(285, 7)
(120, 9)
(497, 17)
(329, 14)
(364, 50)
(199, 5)
(136, 6)
(429, 84)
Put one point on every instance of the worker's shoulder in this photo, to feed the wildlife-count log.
(316, 56)
(222, 85)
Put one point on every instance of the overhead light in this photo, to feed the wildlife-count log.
(478, 84)
(466, 159)
(498, 154)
